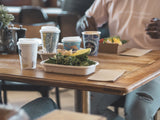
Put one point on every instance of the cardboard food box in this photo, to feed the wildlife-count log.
(68, 69)
(108, 48)
(110, 44)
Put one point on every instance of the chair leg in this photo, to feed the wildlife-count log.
(4, 92)
(45, 93)
(0, 94)
(58, 98)
(5, 96)
(0, 98)
(116, 110)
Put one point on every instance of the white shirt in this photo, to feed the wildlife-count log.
(127, 19)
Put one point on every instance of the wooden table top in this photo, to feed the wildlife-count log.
(139, 70)
(68, 115)
(15, 10)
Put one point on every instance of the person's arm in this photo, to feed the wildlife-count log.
(94, 17)
(153, 29)
(86, 24)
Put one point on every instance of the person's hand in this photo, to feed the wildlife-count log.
(153, 29)
(86, 24)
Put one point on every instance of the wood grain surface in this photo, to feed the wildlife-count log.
(68, 115)
(139, 71)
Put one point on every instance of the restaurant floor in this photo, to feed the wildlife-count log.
(17, 98)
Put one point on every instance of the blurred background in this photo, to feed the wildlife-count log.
(63, 13)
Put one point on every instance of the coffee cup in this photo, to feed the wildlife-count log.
(91, 40)
(27, 53)
(50, 38)
(71, 43)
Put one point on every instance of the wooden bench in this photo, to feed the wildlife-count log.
(68, 115)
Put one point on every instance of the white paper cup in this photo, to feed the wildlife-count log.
(50, 38)
(91, 40)
(28, 53)
(71, 43)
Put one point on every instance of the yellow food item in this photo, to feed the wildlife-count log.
(117, 40)
(109, 40)
(65, 52)
(70, 52)
(82, 51)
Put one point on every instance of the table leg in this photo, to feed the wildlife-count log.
(78, 100)
(82, 101)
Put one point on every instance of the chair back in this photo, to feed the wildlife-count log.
(33, 29)
(76, 6)
(31, 15)
(15, 2)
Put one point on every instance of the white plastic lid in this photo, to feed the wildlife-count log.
(38, 40)
(50, 29)
(27, 41)
(71, 39)
(91, 32)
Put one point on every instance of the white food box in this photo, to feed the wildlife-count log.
(68, 69)
(45, 56)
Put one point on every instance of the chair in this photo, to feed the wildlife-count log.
(76, 6)
(19, 86)
(15, 2)
(39, 107)
(31, 15)
(30, 111)
(32, 18)
(32, 31)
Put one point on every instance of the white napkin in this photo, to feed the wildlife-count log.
(135, 52)
(106, 75)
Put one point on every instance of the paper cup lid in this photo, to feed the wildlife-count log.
(38, 40)
(91, 32)
(50, 29)
(71, 39)
(27, 41)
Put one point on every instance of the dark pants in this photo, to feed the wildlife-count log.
(141, 104)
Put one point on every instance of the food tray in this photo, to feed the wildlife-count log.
(45, 56)
(67, 69)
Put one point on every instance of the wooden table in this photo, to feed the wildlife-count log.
(15, 10)
(68, 115)
(139, 71)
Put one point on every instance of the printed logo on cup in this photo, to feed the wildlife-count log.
(71, 43)
(91, 40)
(50, 38)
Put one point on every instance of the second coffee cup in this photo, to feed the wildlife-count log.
(50, 38)
(91, 40)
